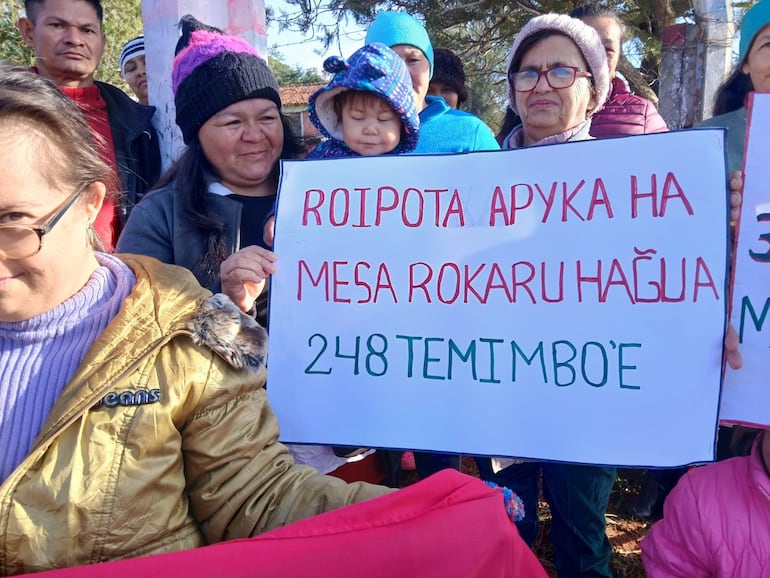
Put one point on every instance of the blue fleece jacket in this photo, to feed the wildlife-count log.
(447, 130)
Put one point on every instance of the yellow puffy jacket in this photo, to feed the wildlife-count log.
(163, 440)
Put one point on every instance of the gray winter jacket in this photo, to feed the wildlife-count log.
(160, 227)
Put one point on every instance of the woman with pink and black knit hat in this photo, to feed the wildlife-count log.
(557, 78)
(207, 210)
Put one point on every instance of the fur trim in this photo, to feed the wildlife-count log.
(222, 327)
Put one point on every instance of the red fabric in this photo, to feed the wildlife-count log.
(626, 114)
(368, 469)
(449, 525)
(94, 108)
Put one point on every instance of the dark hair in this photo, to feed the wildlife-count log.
(448, 69)
(731, 94)
(596, 10)
(191, 175)
(365, 97)
(510, 121)
(31, 6)
(187, 25)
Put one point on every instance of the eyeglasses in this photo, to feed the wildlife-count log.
(22, 241)
(556, 77)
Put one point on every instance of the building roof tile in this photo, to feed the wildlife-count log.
(297, 94)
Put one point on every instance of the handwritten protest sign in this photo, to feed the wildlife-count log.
(563, 302)
(746, 394)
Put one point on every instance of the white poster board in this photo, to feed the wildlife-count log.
(506, 303)
(746, 395)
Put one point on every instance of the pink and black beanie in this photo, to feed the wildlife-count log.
(372, 68)
(213, 70)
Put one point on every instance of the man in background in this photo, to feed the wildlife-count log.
(68, 41)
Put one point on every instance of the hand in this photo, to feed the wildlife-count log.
(268, 234)
(736, 198)
(243, 274)
(734, 358)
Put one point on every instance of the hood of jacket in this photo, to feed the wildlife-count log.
(716, 522)
(213, 321)
(236, 337)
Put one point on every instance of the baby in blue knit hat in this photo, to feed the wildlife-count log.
(368, 107)
(366, 110)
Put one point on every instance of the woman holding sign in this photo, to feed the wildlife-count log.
(557, 78)
(752, 73)
(208, 210)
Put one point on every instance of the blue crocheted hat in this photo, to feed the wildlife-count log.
(372, 68)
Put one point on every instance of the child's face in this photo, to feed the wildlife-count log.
(370, 127)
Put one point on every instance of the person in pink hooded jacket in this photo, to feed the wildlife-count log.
(716, 521)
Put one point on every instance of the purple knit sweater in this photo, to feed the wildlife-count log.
(39, 356)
